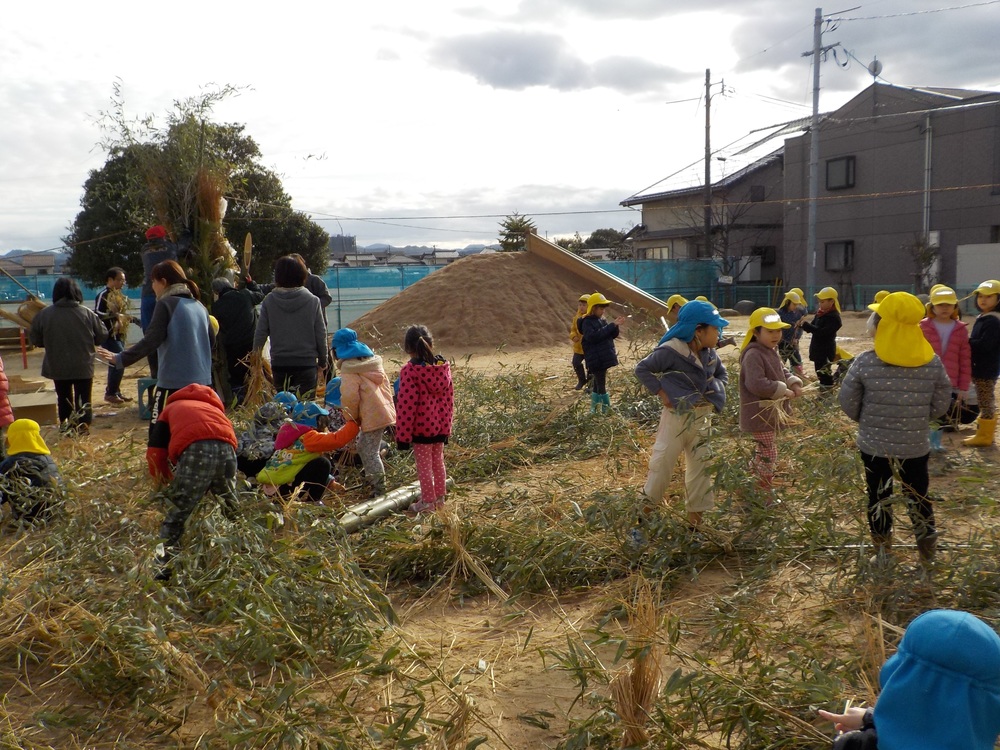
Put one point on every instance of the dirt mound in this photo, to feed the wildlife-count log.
(514, 300)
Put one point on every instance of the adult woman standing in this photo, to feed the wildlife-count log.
(179, 332)
(70, 334)
(291, 316)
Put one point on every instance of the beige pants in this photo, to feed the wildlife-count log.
(687, 432)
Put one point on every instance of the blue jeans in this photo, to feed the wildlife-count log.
(115, 375)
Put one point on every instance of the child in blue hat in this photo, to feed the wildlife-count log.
(366, 398)
(688, 377)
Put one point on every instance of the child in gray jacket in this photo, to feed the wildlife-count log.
(685, 372)
(893, 393)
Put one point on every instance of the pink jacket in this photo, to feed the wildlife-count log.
(366, 393)
(6, 413)
(957, 358)
(425, 403)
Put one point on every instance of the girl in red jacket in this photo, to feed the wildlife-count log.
(949, 337)
(424, 410)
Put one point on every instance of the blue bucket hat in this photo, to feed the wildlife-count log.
(332, 397)
(286, 398)
(346, 345)
(306, 412)
(695, 313)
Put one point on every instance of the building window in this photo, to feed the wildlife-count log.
(995, 234)
(757, 193)
(840, 256)
(840, 173)
(768, 254)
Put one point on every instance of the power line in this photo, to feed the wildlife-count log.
(916, 12)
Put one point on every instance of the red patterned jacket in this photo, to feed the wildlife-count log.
(6, 413)
(425, 403)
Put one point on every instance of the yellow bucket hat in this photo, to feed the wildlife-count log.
(899, 339)
(828, 292)
(675, 299)
(794, 297)
(25, 436)
(990, 286)
(763, 317)
(596, 299)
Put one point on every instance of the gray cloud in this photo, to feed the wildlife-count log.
(520, 60)
(634, 9)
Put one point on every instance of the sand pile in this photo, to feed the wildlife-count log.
(515, 300)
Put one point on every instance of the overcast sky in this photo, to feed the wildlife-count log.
(386, 119)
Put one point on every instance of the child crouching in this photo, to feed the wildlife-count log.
(29, 479)
(192, 449)
(764, 382)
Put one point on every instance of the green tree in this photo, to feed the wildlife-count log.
(512, 231)
(610, 238)
(574, 244)
(176, 176)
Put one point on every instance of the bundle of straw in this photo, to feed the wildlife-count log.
(635, 688)
(259, 384)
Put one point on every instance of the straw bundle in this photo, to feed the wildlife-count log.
(260, 386)
(455, 732)
(466, 561)
(635, 688)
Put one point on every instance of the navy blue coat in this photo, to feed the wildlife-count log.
(598, 342)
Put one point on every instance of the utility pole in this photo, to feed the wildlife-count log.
(817, 51)
(708, 162)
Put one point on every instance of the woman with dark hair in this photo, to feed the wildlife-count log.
(292, 318)
(70, 334)
(179, 332)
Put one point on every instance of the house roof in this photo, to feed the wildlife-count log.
(727, 181)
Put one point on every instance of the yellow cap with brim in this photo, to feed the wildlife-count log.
(584, 298)
(703, 298)
(828, 292)
(990, 286)
(794, 297)
(899, 340)
(880, 295)
(943, 295)
(596, 299)
(763, 317)
(675, 299)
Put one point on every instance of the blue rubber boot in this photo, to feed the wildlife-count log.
(935, 436)
(595, 402)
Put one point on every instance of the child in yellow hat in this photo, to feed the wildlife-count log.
(674, 304)
(577, 339)
(764, 381)
(949, 337)
(893, 393)
(599, 348)
(29, 478)
(984, 343)
(824, 327)
(791, 310)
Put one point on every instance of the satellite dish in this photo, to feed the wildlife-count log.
(875, 68)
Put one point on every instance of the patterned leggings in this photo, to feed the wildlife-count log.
(764, 458)
(369, 445)
(204, 466)
(429, 458)
(986, 393)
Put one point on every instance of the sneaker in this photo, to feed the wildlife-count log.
(420, 507)
(123, 397)
(114, 399)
